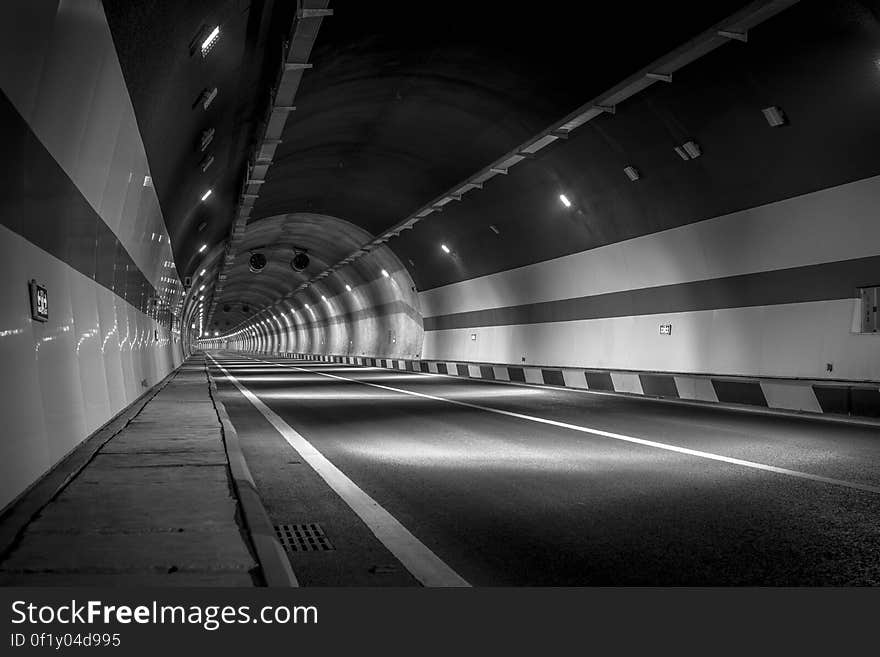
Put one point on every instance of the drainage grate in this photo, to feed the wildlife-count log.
(303, 538)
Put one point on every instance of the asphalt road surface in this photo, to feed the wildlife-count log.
(438, 480)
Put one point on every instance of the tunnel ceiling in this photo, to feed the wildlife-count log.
(402, 102)
(816, 61)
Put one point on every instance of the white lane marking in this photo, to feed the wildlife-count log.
(598, 432)
(416, 557)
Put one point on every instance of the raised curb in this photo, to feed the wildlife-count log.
(273, 560)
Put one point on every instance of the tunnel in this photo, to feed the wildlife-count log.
(359, 294)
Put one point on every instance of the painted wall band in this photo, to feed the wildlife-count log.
(822, 282)
(39, 202)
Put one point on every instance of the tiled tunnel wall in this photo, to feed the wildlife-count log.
(77, 214)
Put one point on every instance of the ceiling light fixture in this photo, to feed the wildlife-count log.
(445, 248)
(565, 201)
(348, 287)
(775, 116)
(385, 273)
(203, 247)
(688, 151)
(207, 194)
(692, 148)
(210, 40)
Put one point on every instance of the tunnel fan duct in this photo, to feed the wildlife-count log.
(257, 262)
(300, 262)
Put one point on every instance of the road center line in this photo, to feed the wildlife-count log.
(415, 556)
(598, 432)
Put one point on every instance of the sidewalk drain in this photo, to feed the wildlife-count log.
(309, 537)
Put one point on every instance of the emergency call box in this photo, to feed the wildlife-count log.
(39, 302)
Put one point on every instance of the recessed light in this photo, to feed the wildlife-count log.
(774, 115)
(565, 201)
(692, 148)
(445, 248)
(206, 195)
(348, 287)
(385, 273)
(210, 40)
(202, 273)
(203, 247)
(632, 173)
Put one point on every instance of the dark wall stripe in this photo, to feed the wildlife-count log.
(39, 202)
(441, 368)
(659, 385)
(462, 369)
(835, 280)
(487, 372)
(516, 374)
(599, 381)
(739, 392)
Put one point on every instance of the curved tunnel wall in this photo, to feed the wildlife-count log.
(358, 311)
(379, 315)
(77, 217)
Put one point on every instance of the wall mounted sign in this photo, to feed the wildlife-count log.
(666, 329)
(39, 302)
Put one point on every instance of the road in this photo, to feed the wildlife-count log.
(500, 484)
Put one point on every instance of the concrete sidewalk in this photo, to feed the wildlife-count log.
(154, 506)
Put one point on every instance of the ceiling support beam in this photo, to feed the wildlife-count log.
(295, 61)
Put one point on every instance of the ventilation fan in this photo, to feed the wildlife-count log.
(257, 262)
(300, 261)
